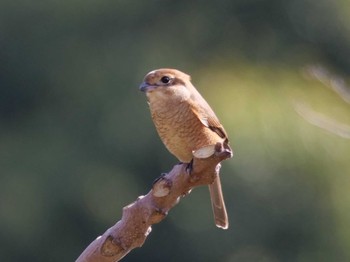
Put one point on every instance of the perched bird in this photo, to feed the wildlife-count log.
(186, 124)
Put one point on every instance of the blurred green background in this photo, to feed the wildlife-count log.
(77, 142)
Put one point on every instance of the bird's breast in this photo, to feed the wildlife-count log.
(180, 129)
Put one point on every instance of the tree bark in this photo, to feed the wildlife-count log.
(135, 225)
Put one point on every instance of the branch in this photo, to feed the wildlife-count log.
(337, 84)
(322, 121)
(135, 225)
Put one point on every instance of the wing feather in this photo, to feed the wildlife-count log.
(206, 115)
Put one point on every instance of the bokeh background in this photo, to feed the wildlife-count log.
(77, 142)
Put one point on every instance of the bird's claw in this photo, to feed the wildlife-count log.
(189, 167)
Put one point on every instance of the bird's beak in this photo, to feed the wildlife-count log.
(145, 87)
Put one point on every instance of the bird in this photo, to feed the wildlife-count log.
(187, 125)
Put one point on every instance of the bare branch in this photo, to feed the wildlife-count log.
(336, 83)
(322, 121)
(135, 225)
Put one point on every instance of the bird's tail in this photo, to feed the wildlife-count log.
(218, 204)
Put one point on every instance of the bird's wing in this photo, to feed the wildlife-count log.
(207, 116)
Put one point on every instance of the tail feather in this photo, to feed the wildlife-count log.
(218, 204)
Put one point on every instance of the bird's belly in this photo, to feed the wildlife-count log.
(183, 133)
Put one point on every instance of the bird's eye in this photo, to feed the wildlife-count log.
(165, 79)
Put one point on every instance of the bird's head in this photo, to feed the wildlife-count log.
(165, 82)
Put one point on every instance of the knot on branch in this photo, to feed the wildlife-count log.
(162, 186)
(111, 247)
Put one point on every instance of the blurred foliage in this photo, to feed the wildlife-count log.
(77, 142)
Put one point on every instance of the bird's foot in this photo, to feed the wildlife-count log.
(189, 167)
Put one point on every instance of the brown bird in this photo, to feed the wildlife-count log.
(186, 124)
